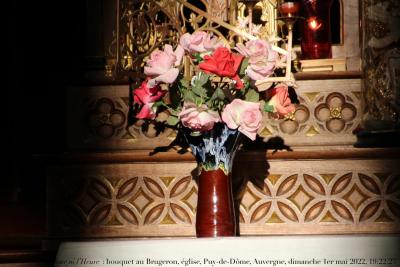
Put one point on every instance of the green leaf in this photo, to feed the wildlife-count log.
(199, 90)
(158, 104)
(189, 96)
(201, 79)
(246, 83)
(198, 102)
(217, 100)
(243, 66)
(175, 93)
(252, 96)
(174, 112)
(268, 108)
(184, 83)
(219, 94)
(197, 57)
(183, 86)
(172, 120)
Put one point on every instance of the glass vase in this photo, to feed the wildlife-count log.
(214, 151)
(316, 40)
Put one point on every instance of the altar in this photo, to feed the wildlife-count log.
(312, 176)
(320, 187)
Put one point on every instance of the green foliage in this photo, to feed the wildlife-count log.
(189, 96)
(175, 93)
(196, 91)
(268, 108)
(185, 92)
(243, 66)
(172, 120)
(217, 99)
(158, 104)
(201, 79)
(200, 84)
(197, 57)
(252, 95)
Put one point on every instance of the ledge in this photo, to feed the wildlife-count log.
(327, 75)
(25, 256)
(142, 156)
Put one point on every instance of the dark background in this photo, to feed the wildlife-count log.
(49, 45)
(45, 47)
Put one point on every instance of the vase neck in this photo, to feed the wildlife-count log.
(214, 149)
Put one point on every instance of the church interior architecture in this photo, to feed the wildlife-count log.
(81, 167)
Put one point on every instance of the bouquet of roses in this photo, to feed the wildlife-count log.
(220, 90)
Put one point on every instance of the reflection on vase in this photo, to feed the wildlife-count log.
(316, 29)
(214, 151)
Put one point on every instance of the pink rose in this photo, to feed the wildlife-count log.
(161, 66)
(280, 100)
(199, 42)
(198, 118)
(146, 96)
(243, 115)
(262, 59)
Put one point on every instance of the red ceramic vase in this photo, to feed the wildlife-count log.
(214, 151)
(215, 209)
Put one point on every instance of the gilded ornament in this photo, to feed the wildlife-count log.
(336, 112)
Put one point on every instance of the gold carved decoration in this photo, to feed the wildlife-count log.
(268, 16)
(312, 132)
(381, 64)
(290, 116)
(336, 112)
(143, 26)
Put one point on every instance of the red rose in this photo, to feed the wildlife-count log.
(146, 97)
(223, 63)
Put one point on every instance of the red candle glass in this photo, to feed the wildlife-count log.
(316, 29)
(289, 9)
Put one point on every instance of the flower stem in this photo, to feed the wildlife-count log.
(228, 93)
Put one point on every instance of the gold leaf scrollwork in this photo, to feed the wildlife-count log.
(145, 25)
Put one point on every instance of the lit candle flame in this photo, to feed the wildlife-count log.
(314, 24)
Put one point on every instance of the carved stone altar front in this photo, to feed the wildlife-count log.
(305, 196)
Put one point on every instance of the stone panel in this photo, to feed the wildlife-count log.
(159, 199)
(327, 113)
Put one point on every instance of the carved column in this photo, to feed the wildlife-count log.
(381, 70)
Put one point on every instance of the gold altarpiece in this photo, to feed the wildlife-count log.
(321, 185)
